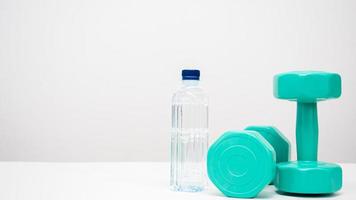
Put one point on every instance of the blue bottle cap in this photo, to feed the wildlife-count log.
(190, 74)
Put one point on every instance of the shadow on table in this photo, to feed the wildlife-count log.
(262, 195)
(308, 195)
(267, 194)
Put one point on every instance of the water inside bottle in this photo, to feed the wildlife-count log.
(189, 145)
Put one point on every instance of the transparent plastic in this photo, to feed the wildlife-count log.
(189, 139)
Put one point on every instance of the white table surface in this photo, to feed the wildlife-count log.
(105, 181)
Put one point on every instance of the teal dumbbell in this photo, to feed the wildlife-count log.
(275, 137)
(241, 163)
(307, 175)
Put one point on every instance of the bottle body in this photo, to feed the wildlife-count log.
(189, 138)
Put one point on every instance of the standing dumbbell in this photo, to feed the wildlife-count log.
(307, 175)
(242, 163)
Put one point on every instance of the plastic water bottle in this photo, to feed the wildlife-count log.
(190, 137)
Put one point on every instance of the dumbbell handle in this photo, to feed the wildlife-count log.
(307, 131)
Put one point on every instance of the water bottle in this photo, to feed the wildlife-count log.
(190, 137)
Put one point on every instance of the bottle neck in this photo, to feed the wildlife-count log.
(190, 83)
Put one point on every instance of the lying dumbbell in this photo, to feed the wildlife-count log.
(307, 175)
(242, 163)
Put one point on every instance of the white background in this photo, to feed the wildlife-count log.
(86, 80)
